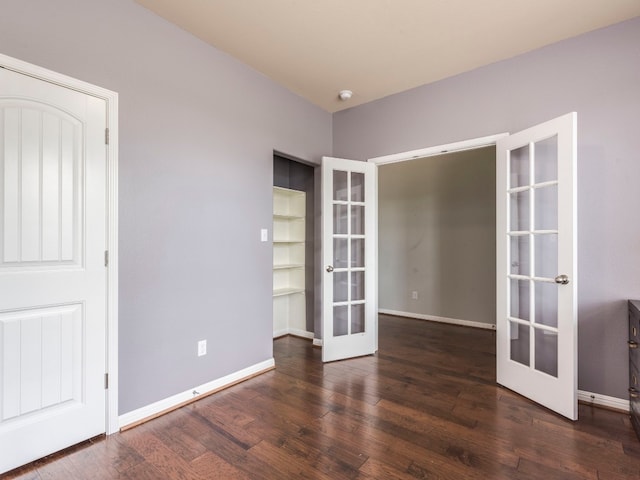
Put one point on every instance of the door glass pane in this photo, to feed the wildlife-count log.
(357, 187)
(519, 206)
(546, 255)
(357, 285)
(357, 219)
(357, 318)
(357, 252)
(519, 167)
(546, 352)
(340, 219)
(546, 295)
(546, 160)
(546, 205)
(340, 286)
(340, 253)
(519, 351)
(340, 185)
(520, 299)
(520, 255)
(340, 320)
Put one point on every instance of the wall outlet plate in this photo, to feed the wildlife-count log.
(414, 295)
(202, 348)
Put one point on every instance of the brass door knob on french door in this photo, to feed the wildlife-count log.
(329, 268)
(562, 279)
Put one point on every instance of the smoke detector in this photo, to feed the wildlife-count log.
(345, 95)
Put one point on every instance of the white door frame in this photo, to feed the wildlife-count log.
(439, 149)
(433, 151)
(111, 98)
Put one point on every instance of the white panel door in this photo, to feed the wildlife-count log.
(536, 351)
(52, 273)
(349, 204)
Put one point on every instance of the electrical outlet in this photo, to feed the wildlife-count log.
(202, 348)
(414, 295)
(264, 235)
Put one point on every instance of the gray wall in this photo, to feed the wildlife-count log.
(197, 135)
(596, 75)
(437, 235)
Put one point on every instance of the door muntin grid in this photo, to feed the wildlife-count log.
(349, 230)
(532, 199)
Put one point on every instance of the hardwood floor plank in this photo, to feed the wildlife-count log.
(160, 456)
(425, 407)
(533, 469)
(209, 465)
(287, 466)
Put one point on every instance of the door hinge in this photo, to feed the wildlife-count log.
(106, 381)
(106, 258)
(106, 136)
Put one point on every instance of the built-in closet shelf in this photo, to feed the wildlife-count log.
(287, 291)
(288, 266)
(289, 217)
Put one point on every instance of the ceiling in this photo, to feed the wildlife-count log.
(375, 48)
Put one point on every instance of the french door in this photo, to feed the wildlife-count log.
(52, 272)
(349, 286)
(536, 351)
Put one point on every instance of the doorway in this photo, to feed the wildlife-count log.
(294, 248)
(58, 323)
(436, 240)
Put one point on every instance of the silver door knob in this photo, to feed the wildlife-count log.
(329, 268)
(562, 279)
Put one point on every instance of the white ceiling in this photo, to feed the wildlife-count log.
(376, 48)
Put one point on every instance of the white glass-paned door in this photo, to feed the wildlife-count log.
(349, 259)
(536, 264)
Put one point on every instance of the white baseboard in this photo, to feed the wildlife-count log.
(141, 414)
(292, 331)
(300, 333)
(317, 342)
(280, 333)
(603, 400)
(434, 318)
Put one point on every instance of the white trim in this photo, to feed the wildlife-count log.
(169, 403)
(434, 318)
(600, 400)
(296, 332)
(317, 342)
(300, 333)
(111, 99)
(280, 333)
(439, 149)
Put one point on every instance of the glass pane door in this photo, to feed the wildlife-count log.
(348, 252)
(533, 255)
(536, 313)
(349, 281)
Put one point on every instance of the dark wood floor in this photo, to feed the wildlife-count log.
(425, 407)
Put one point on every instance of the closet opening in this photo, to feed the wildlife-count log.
(294, 248)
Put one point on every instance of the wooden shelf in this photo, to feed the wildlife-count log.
(289, 306)
(289, 240)
(288, 266)
(287, 291)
